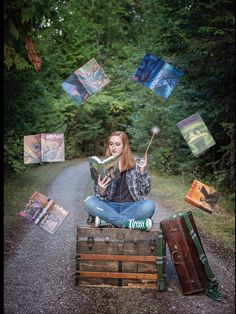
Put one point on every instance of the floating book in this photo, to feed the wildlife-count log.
(85, 81)
(196, 134)
(46, 147)
(202, 196)
(44, 212)
(157, 75)
(107, 167)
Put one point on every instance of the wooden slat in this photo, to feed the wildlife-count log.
(86, 274)
(147, 285)
(109, 257)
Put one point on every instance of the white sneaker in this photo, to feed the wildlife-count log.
(99, 223)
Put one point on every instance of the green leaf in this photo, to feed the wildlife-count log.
(13, 30)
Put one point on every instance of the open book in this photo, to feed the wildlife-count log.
(107, 167)
(46, 147)
(44, 212)
(157, 75)
(85, 81)
(196, 134)
(202, 196)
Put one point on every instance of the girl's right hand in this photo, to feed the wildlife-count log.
(103, 184)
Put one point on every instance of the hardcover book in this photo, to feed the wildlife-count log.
(44, 212)
(32, 149)
(196, 134)
(202, 196)
(107, 167)
(85, 81)
(158, 75)
(45, 147)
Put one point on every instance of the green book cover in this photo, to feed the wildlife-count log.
(107, 167)
(196, 134)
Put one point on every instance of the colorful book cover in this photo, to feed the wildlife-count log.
(107, 167)
(202, 196)
(32, 149)
(85, 81)
(157, 75)
(196, 134)
(47, 147)
(52, 147)
(44, 212)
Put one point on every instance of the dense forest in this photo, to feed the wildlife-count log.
(46, 40)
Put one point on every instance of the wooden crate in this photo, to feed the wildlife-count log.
(120, 257)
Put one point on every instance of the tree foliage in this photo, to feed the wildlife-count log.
(195, 36)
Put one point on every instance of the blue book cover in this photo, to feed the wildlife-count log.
(74, 88)
(85, 81)
(157, 75)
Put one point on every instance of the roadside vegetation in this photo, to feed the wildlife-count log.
(169, 190)
(220, 225)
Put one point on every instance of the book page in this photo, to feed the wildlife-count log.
(108, 159)
(96, 159)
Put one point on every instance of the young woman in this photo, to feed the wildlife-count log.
(121, 202)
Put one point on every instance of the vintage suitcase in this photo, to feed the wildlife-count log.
(189, 267)
(120, 257)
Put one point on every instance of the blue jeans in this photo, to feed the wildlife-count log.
(118, 214)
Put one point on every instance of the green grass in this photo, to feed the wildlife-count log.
(220, 225)
(19, 188)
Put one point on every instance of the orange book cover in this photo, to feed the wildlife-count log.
(202, 196)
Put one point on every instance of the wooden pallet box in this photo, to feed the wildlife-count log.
(119, 257)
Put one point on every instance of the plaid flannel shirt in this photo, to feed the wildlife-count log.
(138, 184)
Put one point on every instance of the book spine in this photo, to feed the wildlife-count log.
(102, 171)
(43, 212)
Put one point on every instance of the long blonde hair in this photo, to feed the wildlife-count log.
(126, 158)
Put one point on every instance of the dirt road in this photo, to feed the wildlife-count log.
(38, 277)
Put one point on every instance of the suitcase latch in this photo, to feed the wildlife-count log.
(90, 242)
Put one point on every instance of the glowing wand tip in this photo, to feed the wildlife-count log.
(155, 130)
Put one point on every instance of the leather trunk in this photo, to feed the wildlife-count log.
(189, 268)
(120, 257)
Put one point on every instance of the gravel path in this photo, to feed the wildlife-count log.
(39, 278)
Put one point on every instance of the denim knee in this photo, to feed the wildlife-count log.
(89, 202)
(149, 207)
